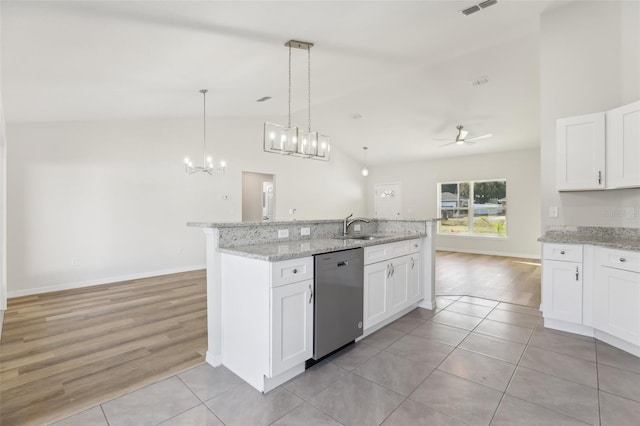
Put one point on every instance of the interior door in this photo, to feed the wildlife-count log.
(388, 200)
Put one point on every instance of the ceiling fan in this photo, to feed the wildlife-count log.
(461, 138)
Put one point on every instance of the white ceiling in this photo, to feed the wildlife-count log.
(405, 66)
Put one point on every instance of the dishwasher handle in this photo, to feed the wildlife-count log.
(343, 263)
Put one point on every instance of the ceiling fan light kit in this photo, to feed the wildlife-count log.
(207, 161)
(291, 140)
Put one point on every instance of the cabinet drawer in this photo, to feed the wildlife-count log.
(620, 259)
(568, 252)
(291, 271)
(382, 252)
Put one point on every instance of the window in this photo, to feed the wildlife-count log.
(473, 208)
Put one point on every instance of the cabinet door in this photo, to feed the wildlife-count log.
(400, 277)
(377, 293)
(415, 289)
(617, 303)
(581, 152)
(623, 146)
(562, 290)
(291, 325)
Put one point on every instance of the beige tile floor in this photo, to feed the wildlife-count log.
(472, 362)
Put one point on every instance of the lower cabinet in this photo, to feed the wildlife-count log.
(562, 292)
(390, 286)
(617, 292)
(291, 325)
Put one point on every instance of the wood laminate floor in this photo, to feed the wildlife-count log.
(65, 351)
(505, 279)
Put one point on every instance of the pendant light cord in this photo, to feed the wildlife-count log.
(289, 122)
(204, 126)
(309, 79)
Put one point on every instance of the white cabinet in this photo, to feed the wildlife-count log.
(292, 325)
(617, 292)
(562, 282)
(267, 318)
(391, 281)
(599, 151)
(623, 147)
(581, 152)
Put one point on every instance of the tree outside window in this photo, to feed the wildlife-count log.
(473, 208)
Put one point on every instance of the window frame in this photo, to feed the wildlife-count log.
(470, 209)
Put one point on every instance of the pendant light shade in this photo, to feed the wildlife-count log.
(207, 161)
(291, 140)
(365, 170)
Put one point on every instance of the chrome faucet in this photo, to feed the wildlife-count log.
(347, 223)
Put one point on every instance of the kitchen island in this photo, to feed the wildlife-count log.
(259, 325)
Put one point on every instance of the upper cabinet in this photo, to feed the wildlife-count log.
(599, 151)
(623, 147)
(581, 150)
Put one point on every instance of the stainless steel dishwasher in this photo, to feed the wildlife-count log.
(338, 300)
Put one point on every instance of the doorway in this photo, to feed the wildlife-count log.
(258, 197)
(388, 200)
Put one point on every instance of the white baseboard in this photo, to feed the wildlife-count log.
(99, 281)
(491, 253)
(1, 321)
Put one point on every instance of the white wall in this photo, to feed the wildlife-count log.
(589, 62)
(419, 181)
(3, 198)
(114, 196)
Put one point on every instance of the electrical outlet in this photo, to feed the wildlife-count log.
(553, 211)
(283, 233)
(357, 227)
(305, 231)
(75, 261)
(292, 211)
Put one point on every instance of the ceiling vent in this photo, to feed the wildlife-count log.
(469, 11)
(263, 99)
(476, 8)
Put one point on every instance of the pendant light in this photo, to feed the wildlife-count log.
(207, 161)
(364, 171)
(290, 140)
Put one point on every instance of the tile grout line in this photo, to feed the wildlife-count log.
(104, 415)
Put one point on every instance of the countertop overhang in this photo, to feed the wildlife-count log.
(290, 249)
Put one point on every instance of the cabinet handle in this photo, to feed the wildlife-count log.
(413, 263)
(295, 271)
(577, 273)
(599, 177)
(393, 269)
(388, 270)
(561, 251)
(622, 259)
(310, 293)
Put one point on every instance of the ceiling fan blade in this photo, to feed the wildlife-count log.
(445, 140)
(488, 135)
(450, 143)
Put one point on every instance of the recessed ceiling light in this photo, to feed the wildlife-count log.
(263, 99)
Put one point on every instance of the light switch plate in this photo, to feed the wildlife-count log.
(553, 211)
(305, 231)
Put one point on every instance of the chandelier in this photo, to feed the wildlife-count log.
(207, 161)
(291, 140)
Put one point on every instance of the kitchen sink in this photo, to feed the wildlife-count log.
(360, 237)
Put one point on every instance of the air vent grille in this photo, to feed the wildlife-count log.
(476, 8)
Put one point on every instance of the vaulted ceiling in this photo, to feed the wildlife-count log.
(392, 75)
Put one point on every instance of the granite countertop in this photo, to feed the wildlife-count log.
(292, 222)
(617, 238)
(283, 250)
